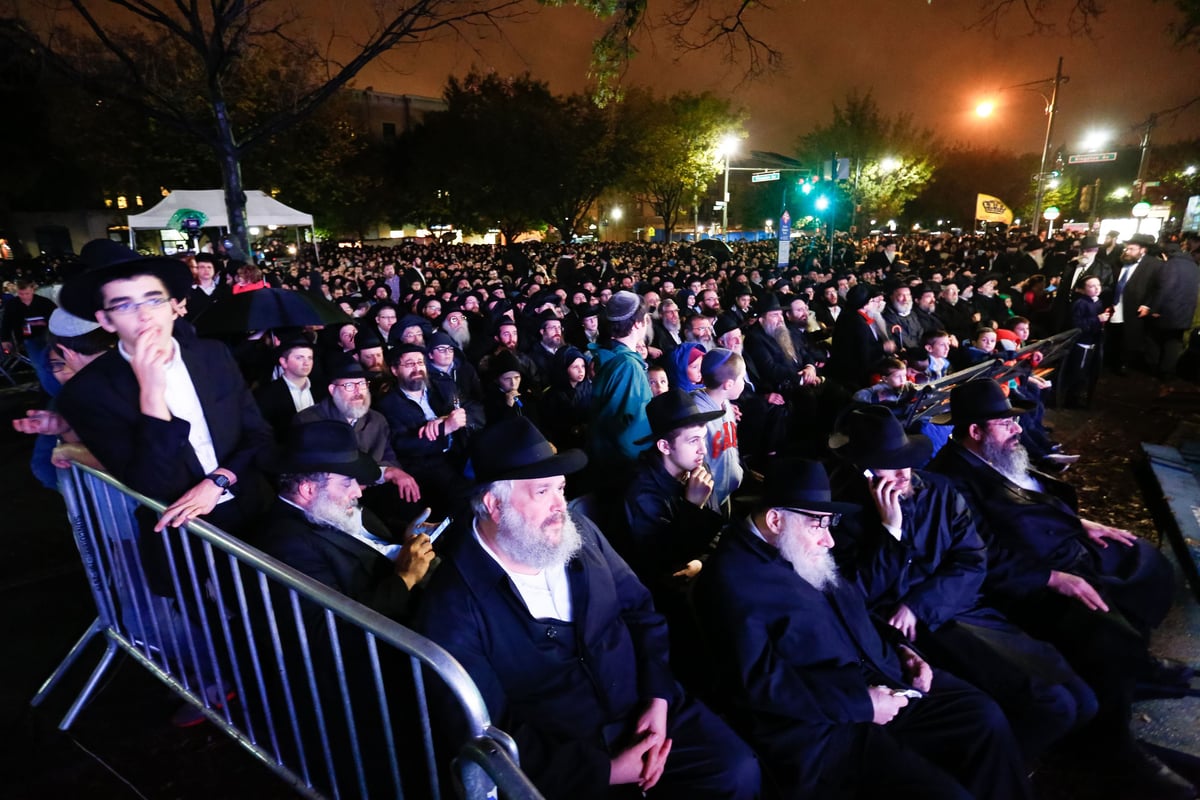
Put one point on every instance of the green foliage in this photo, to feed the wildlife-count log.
(674, 148)
(891, 159)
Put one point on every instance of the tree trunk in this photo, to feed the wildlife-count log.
(231, 177)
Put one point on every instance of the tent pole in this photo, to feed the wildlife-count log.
(316, 247)
(132, 239)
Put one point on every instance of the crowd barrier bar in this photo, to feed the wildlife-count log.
(234, 632)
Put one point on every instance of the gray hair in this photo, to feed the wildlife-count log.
(501, 490)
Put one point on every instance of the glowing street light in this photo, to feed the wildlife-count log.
(889, 164)
(617, 213)
(985, 108)
(1190, 171)
(1095, 141)
(822, 203)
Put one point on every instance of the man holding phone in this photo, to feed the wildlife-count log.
(318, 527)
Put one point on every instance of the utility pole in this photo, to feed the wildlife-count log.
(1141, 176)
(1051, 109)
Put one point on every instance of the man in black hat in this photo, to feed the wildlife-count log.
(921, 563)
(1093, 591)
(349, 402)
(771, 349)
(318, 527)
(171, 417)
(564, 642)
(1125, 333)
(833, 708)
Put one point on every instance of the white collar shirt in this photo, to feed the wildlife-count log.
(547, 594)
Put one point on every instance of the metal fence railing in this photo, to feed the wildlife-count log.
(330, 695)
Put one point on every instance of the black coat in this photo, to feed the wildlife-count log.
(565, 691)
(857, 348)
(666, 530)
(337, 560)
(278, 409)
(1029, 533)
(151, 455)
(1174, 295)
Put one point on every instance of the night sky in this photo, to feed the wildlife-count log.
(916, 56)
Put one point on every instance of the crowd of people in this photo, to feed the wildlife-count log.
(699, 541)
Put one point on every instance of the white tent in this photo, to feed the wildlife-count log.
(261, 210)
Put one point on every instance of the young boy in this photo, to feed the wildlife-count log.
(893, 390)
(724, 374)
(1089, 315)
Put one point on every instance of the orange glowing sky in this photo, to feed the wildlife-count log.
(915, 56)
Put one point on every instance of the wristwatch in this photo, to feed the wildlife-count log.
(219, 479)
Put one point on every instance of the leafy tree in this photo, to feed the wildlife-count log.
(674, 146)
(480, 162)
(191, 67)
(890, 157)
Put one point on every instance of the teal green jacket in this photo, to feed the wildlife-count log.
(620, 392)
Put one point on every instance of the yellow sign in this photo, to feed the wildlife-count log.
(992, 209)
(650, 232)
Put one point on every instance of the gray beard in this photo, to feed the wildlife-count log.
(352, 413)
(461, 336)
(415, 386)
(819, 572)
(325, 511)
(1011, 463)
(530, 547)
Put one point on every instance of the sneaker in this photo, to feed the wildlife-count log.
(188, 715)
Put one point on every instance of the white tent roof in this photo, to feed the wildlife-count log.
(261, 209)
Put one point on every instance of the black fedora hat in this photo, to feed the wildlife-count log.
(325, 446)
(1140, 239)
(674, 409)
(872, 438)
(515, 450)
(798, 484)
(980, 400)
(105, 261)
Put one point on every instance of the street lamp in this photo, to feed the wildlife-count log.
(889, 164)
(1050, 214)
(728, 147)
(1140, 211)
(985, 108)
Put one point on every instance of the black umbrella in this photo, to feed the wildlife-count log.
(262, 309)
(718, 249)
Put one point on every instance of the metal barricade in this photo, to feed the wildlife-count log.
(330, 695)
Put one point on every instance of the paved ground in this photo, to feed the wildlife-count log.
(122, 746)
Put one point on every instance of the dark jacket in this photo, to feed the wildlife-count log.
(465, 379)
(857, 348)
(566, 691)
(666, 531)
(797, 661)
(1173, 299)
(772, 371)
(151, 455)
(938, 566)
(337, 559)
(275, 401)
(405, 419)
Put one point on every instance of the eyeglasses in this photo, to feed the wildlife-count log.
(819, 520)
(350, 386)
(131, 306)
(443, 348)
(1004, 422)
(410, 364)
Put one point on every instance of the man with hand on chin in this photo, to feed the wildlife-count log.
(564, 642)
(171, 417)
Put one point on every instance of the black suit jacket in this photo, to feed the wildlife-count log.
(275, 401)
(153, 456)
(337, 559)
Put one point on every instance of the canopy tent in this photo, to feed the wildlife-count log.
(261, 210)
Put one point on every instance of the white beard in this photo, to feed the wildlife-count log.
(325, 511)
(818, 571)
(531, 547)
